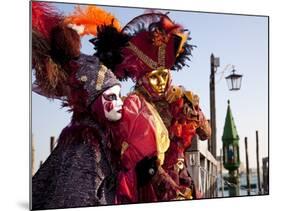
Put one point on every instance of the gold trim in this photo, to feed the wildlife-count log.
(189, 95)
(148, 61)
(101, 76)
(161, 133)
(161, 56)
(124, 147)
(185, 194)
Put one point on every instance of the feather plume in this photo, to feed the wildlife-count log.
(183, 56)
(44, 18)
(53, 47)
(92, 17)
(108, 45)
(142, 23)
(49, 75)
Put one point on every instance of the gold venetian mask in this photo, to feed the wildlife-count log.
(158, 80)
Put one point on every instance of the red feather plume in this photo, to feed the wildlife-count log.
(44, 18)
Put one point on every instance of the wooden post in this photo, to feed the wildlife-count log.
(238, 181)
(247, 167)
(213, 142)
(32, 156)
(52, 144)
(41, 163)
(265, 175)
(221, 165)
(258, 162)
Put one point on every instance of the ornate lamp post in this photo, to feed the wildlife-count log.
(231, 158)
(234, 83)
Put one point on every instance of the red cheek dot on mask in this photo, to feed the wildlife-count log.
(108, 106)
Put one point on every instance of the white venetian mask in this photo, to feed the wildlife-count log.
(112, 103)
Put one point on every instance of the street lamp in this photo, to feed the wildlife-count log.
(234, 84)
(234, 81)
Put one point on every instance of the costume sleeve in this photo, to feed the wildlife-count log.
(203, 130)
(163, 181)
(127, 187)
(188, 117)
(137, 132)
(68, 178)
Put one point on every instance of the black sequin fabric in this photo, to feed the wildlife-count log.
(78, 174)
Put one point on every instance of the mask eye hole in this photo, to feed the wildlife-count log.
(110, 97)
(153, 77)
(164, 75)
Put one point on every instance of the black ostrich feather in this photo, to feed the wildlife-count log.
(108, 45)
(183, 57)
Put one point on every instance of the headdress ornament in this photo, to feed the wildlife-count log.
(153, 42)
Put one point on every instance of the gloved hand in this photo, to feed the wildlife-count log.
(146, 169)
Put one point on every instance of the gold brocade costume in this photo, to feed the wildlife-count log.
(162, 135)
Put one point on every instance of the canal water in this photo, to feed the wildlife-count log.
(243, 185)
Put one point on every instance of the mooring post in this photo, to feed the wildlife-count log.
(247, 167)
(52, 143)
(258, 162)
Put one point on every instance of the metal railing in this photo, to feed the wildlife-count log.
(202, 167)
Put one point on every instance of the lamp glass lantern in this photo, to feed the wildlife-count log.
(234, 81)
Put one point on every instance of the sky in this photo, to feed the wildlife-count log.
(237, 40)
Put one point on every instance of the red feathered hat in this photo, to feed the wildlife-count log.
(156, 46)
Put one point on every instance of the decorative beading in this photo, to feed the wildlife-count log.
(148, 61)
